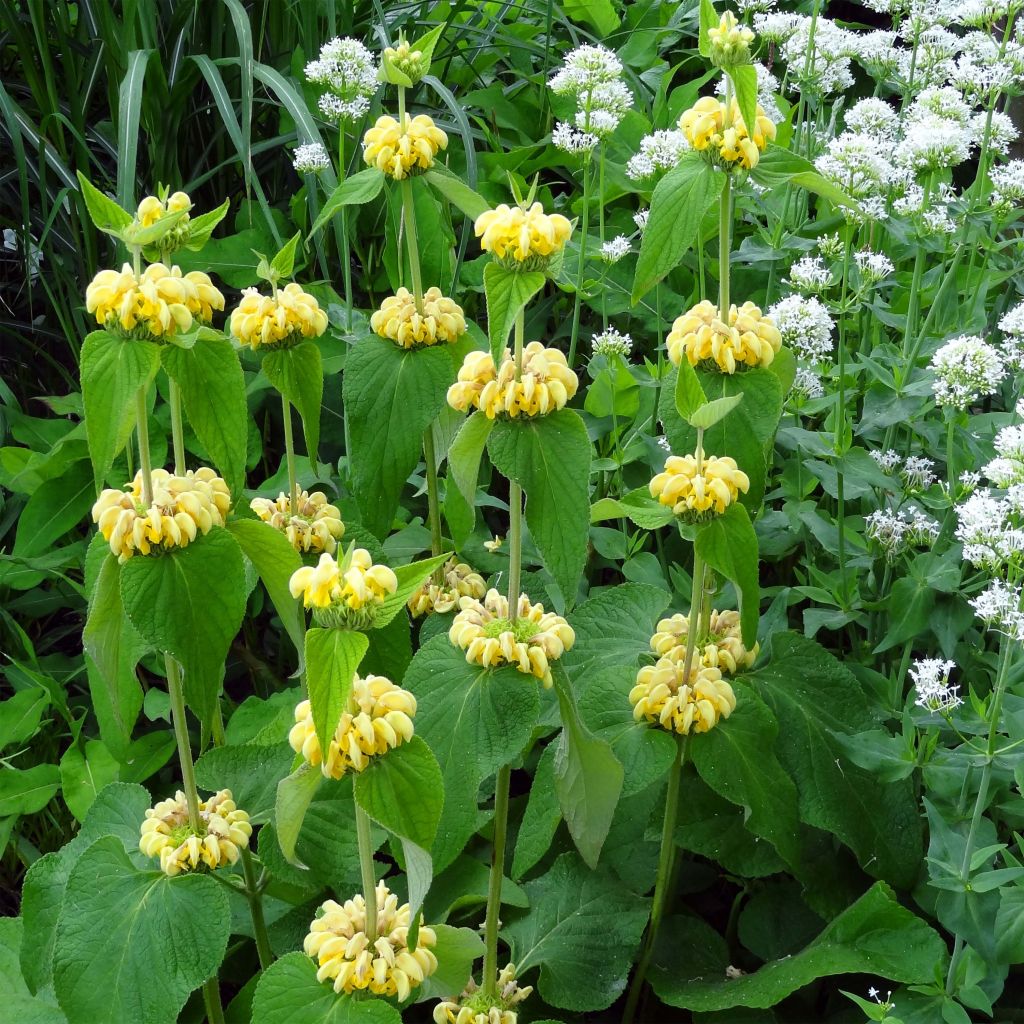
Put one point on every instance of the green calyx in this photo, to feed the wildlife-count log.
(521, 629)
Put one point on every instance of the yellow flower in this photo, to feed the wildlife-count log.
(152, 209)
(158, 303)
(494, 545)
(661, 697)
(345, 594)
(484, 630)
(545, 384)
(378, 717)
(272, 321)
(459, 580)
(730, 42)
(749, 338)
(339, 943)
(183, 508)
(720, 131)
(440, 321)
(721, 648)
(401, 150)
(314, 526)
(472, 1007)
(516, 235)
(693, 492)
(168, 834)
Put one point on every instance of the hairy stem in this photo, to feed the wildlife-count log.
(346, 255)
(177, 428)
(411, 241)
(289, 451)
(433, 503)
(255, 900)
(724, 233)
(142, 429)
(211, 998)
(188, 772)
(368, 872)
(491, 921)
(580, 266)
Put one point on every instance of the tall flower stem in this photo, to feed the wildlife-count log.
(177, 427)
(211, 997)
(346, 255)
(724, 248)
(600, 214)
(581, 265)
(409, 223)
(188, 772)
(142, 430)
(839, 444)
(515, 494)
(289, 453)
(491, 921)
(365, 843)
(433, 502)
(254, 896)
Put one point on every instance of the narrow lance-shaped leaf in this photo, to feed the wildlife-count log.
(106, 215)
(689, 394)
(456, 191)
(708, 20)
(507, 291)
(294, 795)
(201, 227)
(410, 578)
(332, 657)
(744, 80)
(283, 262)
(298, 374)
(356, 190)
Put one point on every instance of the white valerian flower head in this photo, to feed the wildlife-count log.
(998, 606)
(807, 385)
(640, 218)
(896, 531)
(659, 151)
(888, 461)
(311, 158)
(603, 107)
(1002, 132)
(878, 54)
(1007, 186)
(966, 369)
(872, 266)
(933, 143)
(611, 343)
(584, 68)
(805, 326)
(829, 73)
(1009, 442)
(613, 250)
(931, 681)
(872, 116)
(570, 139)
(810, 275)
(988, 529)
(918, 473)
(859, 163)
(347, 69)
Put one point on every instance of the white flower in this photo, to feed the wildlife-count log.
(1007, 185)
(603, 107)
(334, 108)
(966, 369)
(945, 102)
(969, 480)
(807, 384)
(1002, 132)
(998, 606)
(584, 68)
(859, 163)
(612, 251)
(612, 343)
(776, 26)
(663, 443)
(932, 143)
(918, 473)
(1004, 472)
(805, 326)
(571, 139)
(311, 158)
(810, 274)
(931, 680)
(984, 528)
(640, 218)
(873, 266)
(349, 71)
(872, 116)
(1009, 441)
(888, 460)
(659, 151)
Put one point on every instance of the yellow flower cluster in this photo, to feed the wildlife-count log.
(406, 59)
(530, 642)
(313, 526)
(183, 508)
(473, 1007)
(401, 150)
(730, 42)
(152, 209)
(661, 697)
(440, 321)
(458, 581)
(720, 132)
(722, 647)
(159, 302)
(516, 235)
(281, 319)
(339, 942)
(355, 583)
(168, 834)
(545, 384)
(692, 492)
(379, 717)
(701, 336)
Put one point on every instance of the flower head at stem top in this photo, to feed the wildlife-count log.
(344, 594)
(697, 491)
(720, 646)
(746, 338)
(477, 1006)
(663, 696)
(280, 320)
(405, 147)
(521, 237)
(313, 525)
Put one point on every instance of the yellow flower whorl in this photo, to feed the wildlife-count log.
(692, 492)
(722, 647)
(484, 630)
(516, 235)
(167, 834)
(152, 209)
(183, 508)
(545, 384)
(359, 584)
(473, 1007)
(661, 697)
(440, 322)
(459, 580)
(749, 339)
(158, 303)
(379, 717)
(277, 320)
(400, 150)
(704, 126)
(314, 526)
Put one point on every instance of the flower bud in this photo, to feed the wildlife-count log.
(730, 42)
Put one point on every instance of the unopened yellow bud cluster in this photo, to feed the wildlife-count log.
(158, 303)
(339, 942)
(703, 337)
(152, 209)
(458, 581)
(379, 717)
(314, 525)
(719, 132)
(474, 1007)
(278, 320)
(183, 508)
(545, 383)
(402, 150)
(354, 584)
(522, 238)
(662, 697)
(530, 642)
(168, 834)
(409, 61)
(439, 320)
(730, 42)
(721, 648)
(694, 493)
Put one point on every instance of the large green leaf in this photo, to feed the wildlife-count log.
(360, 188)
(507, 291)
(729, 545)
(678, 205)
(189, 603)
(250, 770)
(874, 936)
(103, 211)
(298, 374)
(54, 508)
(85, 768)
(540, 819)
(20, 1004)
(332, 657)
(744, 80)
(549, 457)
(294, 795)
(582, 930)
(391, 396)
(456, 949)
(288, 993)
(456, 191)
(588, 776)
(134, 944)
(113, 369)
(474, 720)
(814, 697)
(213, 394)
(27, 790)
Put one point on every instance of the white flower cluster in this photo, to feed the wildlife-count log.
(807, 385)
(809, 274)
(887, 461)
(570, 139)
(347, 69)
(805, 326)
(998, 606)
(918, 473)
(966, 369)
(641, 217)
(659, 151)
(989, 528)
(311, 158)
(1007, 469)
(1007, 186)
(611, 343)
(872, 266)
(613, 250)
(592, 75)
(896, 531)
(934, 691)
